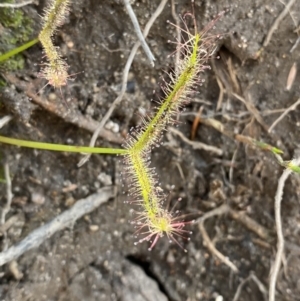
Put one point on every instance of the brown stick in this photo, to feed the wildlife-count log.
(197, 145)
(210, 246)
(276, 22)
(287, 110)
(249, 223)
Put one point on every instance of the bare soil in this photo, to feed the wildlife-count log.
(96, 258)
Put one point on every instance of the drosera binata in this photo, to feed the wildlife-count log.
(153, 221)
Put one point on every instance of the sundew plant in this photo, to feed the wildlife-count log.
(153, 220)
(55, 70)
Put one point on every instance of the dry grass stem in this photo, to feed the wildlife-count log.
(9, 194)
(262, 243)
(223, 209)
(66, 219)
(5, 225)
(7, 206)
(280, 238)
(291, 108)
(221, 93)
(276, 23)
(252, 109)
(249, 223)
(239, 289)
(232, 164)
(295, 45)
(210, 246)
(240, 217)
(259, 284)
(138, 32)
(197, 145)
(232, 74)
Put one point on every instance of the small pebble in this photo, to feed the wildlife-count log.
(94, 228)
(70, 44)
(112, 126)
(69, 202)
(170, 258)
(52, 96)
(37, 198)
(105, 179)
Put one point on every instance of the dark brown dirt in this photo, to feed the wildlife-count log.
(79, 264)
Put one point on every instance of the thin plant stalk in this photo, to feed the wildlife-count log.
(62, 147)
(7, 55)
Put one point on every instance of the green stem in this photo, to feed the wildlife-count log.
(62, 147)
(17, 50)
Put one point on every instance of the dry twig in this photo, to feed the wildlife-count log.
(221, 93)
(249, 223)
(252, 277)
(251, 108)
(276, 23)
(239, 289)
(67, 218)
(9, 194)
(287, 110)
(223, 209)
(232, 163)
(139, 32)
(213, 250)
(240, 217)
(295, 45)
(280, 239)
(197, 145)
(124, 80)
(7, 206)
(233, 76)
